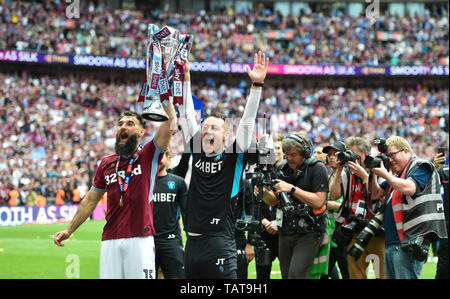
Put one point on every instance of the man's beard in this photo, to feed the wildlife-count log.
(128, 148)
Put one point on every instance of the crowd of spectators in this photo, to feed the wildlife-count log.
(232, 36)
(419, 114)
(54, 130)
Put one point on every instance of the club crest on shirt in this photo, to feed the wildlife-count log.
(171, 185)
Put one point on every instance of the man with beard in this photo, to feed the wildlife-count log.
(128, 176)
(216, 176)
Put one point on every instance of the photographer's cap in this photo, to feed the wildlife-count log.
(338, 145)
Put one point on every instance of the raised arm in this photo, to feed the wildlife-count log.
(335, 187)
(189, 124)
(404, 186)
(244, 131)
(167, 128)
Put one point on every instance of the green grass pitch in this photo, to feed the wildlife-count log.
(28, 251)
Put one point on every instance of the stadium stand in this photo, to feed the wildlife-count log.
(57, 121)
(313, 37)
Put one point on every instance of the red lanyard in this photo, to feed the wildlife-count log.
(123, 186)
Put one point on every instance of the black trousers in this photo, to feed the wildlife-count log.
(210, 257)
(263, 272)
(297, 253)
(169, 255)
(339, 255)
(442, 265)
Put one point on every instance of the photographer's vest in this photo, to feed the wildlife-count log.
(422, 213)
(354, 192)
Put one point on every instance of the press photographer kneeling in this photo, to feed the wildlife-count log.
(300, 193)
(414, 213)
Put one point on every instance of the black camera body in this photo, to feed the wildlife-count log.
(265, 175)
(300, 220)
(348, 155)
(375, 162)
(249, 224)
(254, 229)
(419, 247)
(344, 233)
(381, 144)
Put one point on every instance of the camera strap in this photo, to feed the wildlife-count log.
(356, 197)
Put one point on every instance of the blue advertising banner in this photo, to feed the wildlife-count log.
(219, 67)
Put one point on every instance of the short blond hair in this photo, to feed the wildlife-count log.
(277, 137)
(400, 143)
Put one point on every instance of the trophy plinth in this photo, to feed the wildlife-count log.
(155, 112)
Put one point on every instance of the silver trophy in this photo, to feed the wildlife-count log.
(165, 47)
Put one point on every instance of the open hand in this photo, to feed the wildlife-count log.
(260, 64)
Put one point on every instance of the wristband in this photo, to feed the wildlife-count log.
(292, 191)
(257, 84)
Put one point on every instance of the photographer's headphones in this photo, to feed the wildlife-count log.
(304, 144)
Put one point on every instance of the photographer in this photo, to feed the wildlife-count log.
(442, 264)
(268, 215)
(414, 214)
(301, 195)
(356, 207)
(338, 253)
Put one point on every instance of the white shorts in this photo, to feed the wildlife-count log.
(128, 258)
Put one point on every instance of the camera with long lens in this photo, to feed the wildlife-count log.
(419, 247)
(355, 223)
(345, 156)
(373, 227)
(375, 161)
(344, 233)
(264, 175)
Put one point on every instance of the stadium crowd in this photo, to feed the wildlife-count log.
(232, 36)
(54, 128)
